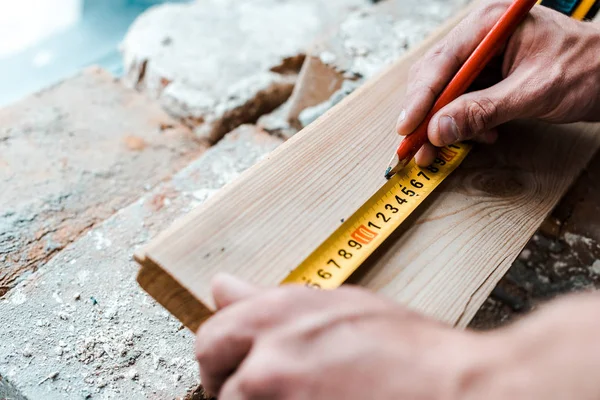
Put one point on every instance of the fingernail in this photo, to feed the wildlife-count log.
(448, 130)
(401, 119)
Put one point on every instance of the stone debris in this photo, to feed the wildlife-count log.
(66, 164)
(367, 41)
(216, 64)
(372, 38)
(54, 345)
(310, 114)
(52, 377)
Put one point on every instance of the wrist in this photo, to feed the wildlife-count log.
(552, 354)
(494, 370)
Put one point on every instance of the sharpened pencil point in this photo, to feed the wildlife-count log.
(387, 173)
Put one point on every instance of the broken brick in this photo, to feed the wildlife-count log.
(72, 155)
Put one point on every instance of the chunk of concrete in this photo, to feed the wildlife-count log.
(218, 63)
(71, 156)
(372, 38)
(82, 327)
(367, 41)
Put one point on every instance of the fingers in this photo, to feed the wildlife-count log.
(426, 155)
(477, 114)
(218, 362)
(431, 74)
(225, 340)
(262, 376)
(228, 289)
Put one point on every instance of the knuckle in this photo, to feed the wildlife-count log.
(265, 382)
(423, 89)
(493, 8)
(203, 344)
(481, 115)
(284, 298)
(442, 57)
(414, 70)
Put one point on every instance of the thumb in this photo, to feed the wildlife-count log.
(227, 289)
(477, 113)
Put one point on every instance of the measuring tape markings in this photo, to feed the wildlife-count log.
(359, 236)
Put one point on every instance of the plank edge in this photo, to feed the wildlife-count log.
(169, 293)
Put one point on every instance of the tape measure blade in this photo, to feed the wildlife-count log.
(358, 237)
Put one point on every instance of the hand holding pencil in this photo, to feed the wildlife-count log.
(546, 70)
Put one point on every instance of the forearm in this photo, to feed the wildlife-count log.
(552, 355)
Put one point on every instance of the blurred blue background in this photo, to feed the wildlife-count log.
(44, 41)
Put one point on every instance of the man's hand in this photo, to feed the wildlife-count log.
(349, 344)
(299, 343)
(549, 70)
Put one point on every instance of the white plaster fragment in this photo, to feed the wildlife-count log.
(18, 297)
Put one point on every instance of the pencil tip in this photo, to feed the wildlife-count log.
(387, 173)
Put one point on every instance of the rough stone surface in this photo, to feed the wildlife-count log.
(372, 38)
(218, 63)
(367, 41)
(81, 326)
(70, 157)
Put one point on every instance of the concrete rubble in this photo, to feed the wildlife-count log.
(218, 63)
(367, 41)
(81, 327)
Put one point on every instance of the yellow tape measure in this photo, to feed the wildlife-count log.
(577, 9)
(358, 237)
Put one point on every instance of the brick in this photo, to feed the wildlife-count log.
(81, 326)
(218, 63)
(71, 156)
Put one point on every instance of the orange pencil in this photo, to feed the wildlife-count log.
(482, 55)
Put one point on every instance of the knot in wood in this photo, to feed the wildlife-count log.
(498, 183)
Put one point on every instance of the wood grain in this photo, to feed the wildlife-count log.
(443, 262)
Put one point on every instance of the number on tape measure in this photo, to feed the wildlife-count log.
(358, 237)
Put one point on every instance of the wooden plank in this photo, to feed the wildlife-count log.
(443, 262)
